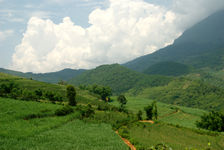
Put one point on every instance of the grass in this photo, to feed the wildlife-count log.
(50, 132)
(177, 138)
(185, 116)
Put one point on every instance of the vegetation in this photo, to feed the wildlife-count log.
(52, 77)
(64, 111)
(50, 131)
(119, 78)
(103, 91)
(168, 68)
(71, 94)
(187, 92)
(122, 100)
(213, 121)
(151, 111)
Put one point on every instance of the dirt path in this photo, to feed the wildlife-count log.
(132, 147)
(147, 121)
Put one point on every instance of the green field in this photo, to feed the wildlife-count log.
(185, 116)
(50, 132)
(177, 138)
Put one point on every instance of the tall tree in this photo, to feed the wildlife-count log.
(122, 100)
(149, 112)
(71, 95)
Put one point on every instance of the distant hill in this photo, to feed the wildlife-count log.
(186, 92)
(200, 46)
(168, 68)
(119, 78)
(52, 77)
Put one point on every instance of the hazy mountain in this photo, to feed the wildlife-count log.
(52, 77)
(200, 46)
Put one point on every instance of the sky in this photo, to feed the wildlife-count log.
(50, 35)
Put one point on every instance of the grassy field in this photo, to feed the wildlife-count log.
(177, 138)
(50, 132)
(185, 116)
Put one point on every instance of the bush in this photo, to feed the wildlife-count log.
(213, 121)
(64, 111)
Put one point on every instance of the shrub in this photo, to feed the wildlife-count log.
(213, 121)
(64, 111)
(71, 94)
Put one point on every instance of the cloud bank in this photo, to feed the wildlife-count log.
(125, 30)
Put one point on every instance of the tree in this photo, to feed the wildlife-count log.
(155, 112)
(122, 100)
(213, 121)
(149, 112)
(139, 115)
(71, 94)
(105, 92)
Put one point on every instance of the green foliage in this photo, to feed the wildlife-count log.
(47, 131)
(168, 68)
(71, 94)
(139, 115)
(149, 112)
(213, 121)
(187, 92)
(52, 77)
(104, 91)
(122, 100)
(119, 78)
(86, 111)
(177, 138)
(64, 111)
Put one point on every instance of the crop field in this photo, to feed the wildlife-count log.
(174, 137)
(173, 114)
(17, 131)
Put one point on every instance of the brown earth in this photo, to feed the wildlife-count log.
(132, 147)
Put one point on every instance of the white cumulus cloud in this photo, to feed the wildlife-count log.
(125, 30)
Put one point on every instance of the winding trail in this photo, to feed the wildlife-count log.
(132, 147)
(147, 121)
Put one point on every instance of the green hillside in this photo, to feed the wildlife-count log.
(187, 92)
(51, 132)
(28, 123)
(200, 46)
(52, 77)
(119, 78)
(168, 68)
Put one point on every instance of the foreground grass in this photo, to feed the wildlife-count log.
(177, 138)
(50, 132)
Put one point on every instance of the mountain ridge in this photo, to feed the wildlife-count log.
(202, 40)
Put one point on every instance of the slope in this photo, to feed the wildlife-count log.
(119, 78)
(200, 46)
(187, 92)
(52, 77)
(168, 68)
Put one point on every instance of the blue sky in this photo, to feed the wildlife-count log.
(14, 15)
(154, 23)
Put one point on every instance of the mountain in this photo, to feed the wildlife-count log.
(200, 46)
(168, 68)
(119, 78)
(52, 77)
